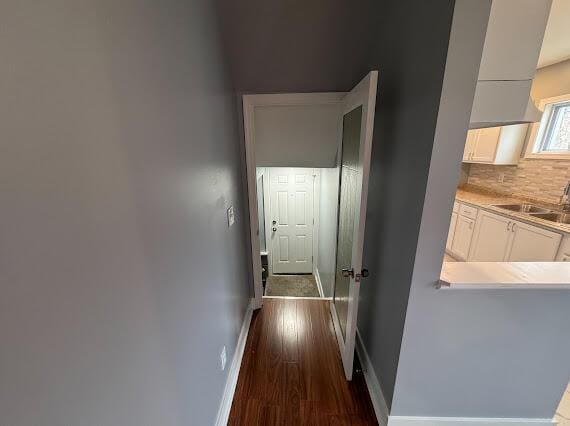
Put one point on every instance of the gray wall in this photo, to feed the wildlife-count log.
(481, 353)
(328, 219)
(120, 279)
(296, 135)
(410, 80)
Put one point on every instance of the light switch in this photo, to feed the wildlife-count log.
(231, 216)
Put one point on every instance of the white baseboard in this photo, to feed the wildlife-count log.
(319, 283)
(231, 382)
(372, 383)
(466, 421)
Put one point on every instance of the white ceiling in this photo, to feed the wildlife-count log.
(556, 44)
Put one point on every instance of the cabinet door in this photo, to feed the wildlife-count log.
(462, 237)
(532, 244)
(491, 239)
(564, 250)
(486, 146)
(470, 143)
(451, 233)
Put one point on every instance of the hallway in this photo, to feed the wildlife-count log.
(291, 371)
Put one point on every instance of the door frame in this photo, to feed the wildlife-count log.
(249, 104)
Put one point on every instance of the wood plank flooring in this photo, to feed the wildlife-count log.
(292, 374)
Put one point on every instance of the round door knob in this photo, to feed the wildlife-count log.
(364, 273)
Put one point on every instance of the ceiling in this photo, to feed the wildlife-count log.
(556, 44)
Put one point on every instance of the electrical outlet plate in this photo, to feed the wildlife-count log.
(231, 216)
(223, 358)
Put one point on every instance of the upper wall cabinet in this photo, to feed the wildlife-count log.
(495, 145)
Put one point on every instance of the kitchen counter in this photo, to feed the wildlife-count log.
(503, 275)
(486, 200)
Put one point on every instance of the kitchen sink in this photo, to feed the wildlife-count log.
(523, 208)
(554, 217)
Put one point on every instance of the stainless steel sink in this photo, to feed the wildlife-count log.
(554, 217)
(522, 208)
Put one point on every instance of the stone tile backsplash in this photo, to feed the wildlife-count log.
(542, 180)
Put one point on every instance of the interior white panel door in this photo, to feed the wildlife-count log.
(357, 128)
(291, 215)
(532, 244)
(491, 238)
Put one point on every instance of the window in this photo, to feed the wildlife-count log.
(552, 134)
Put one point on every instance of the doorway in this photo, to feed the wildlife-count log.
(290, 198)
(290, 140)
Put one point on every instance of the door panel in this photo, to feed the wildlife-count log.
(486, 145)
(451, 232)
(470, 143)
(532, 244)
(349, 200)
(491, 239)
(462, 237)
(291, 208)
(357, 127)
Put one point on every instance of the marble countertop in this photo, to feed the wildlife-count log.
(503, 275)
(486, 200)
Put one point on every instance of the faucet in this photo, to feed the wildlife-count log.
(565, 199)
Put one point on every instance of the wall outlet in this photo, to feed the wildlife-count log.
(223, 358)
(231, 216)
(501, 177)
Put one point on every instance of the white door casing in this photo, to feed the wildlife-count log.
(291, 216)
(362, 96)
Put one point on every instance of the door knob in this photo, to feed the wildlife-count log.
(274, 229)
(348, 273)
(364, 273)
(274, 222)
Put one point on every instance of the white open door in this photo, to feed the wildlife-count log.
(357, 127)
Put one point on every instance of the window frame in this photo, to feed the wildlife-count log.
(540, 130)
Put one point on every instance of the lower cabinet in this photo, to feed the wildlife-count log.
(532, 244)
(564, 251)
(451, 232)
(462, 238)
(498, 238)
(491, 239)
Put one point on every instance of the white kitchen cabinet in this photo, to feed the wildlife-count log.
(470, 143)
(564, 251)
(487, 143)
(462, 238)
(451, 232)
(500, 239)
(491, 239)
(495, 145)
(532, 244)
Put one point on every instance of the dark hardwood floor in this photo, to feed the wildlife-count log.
(291, 373)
